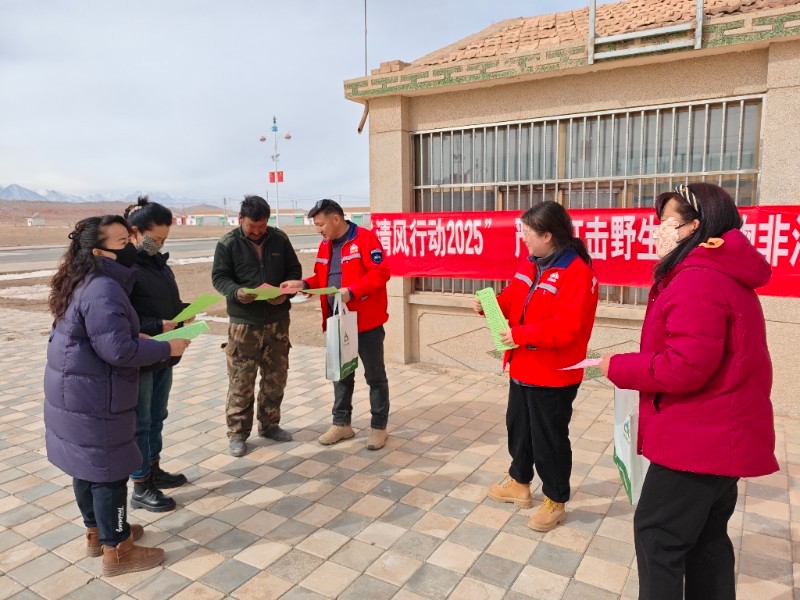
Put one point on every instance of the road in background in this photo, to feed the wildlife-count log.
(35, 258)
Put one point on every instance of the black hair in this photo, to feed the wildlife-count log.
(716, 211)
(79, 261)
(326, 207)
(254, 208)
(144, 215)
(551, 217)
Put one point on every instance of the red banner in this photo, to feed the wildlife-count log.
(272, 176)
(487, 245)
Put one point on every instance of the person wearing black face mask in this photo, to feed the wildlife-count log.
(90, 381)
(125, 256)
(156, 298)
(258, 335)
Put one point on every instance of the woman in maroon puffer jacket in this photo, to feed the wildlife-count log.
(704, 376)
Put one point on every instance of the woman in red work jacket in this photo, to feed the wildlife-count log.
(704, 375)
(550, 306)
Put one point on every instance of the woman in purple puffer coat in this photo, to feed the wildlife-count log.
(91, 386)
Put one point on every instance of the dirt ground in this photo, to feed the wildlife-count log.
(195, 279)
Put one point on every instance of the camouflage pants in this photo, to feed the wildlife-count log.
(250, 349)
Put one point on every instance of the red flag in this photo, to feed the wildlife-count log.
(272, 176)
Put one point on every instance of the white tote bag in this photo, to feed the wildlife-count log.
(632, 466)
(341, 351)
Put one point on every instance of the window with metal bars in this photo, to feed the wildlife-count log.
(612, 159)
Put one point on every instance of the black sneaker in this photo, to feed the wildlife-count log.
(163, 480)
(149, 497)
(277, 434)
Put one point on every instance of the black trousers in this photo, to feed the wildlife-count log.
(370, 351)
(104, 505)
(680, 531)
(537, 420)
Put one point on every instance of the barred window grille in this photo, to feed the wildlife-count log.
(619, 159)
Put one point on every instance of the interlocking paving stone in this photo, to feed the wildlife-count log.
(10, 538)
(392, 490)
(433, 582)
(402, 515)
(58, 536)
(37, 569)
(26, 595)
(301, 593)
(232, 542)
(289, 506)
(472, 535)
(765, 567)
(228, 576)
(295, 566)
(555, 559)
(301, 519)
(96, 589)
(292, 532)
(163, 585)
(369, 587)
(577, 590)
(495, 570)
(453, 507)
(357, 555)
(20, 515)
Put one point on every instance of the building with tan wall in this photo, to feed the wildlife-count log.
(545, 108)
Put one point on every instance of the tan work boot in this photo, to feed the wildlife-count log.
(335, 434)
(129, 558)
(510, 490)
(93, 547)
(376, 439)
(548, 515)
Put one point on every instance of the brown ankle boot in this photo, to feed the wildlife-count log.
(93, 547)
(548, 515)
(129, 558)
(510, 490)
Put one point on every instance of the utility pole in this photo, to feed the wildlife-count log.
(365, 39)
(275, 158)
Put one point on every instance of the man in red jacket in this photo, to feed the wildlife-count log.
(350, 258)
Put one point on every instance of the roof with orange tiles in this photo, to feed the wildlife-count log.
(513, 36)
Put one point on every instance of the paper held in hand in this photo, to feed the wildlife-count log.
(202, 302)
(265, 292)
(268, 292)
(584, 364)
(183, 333)
(494, 317)
(320, 291)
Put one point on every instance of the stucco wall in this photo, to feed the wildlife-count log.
(441, 329)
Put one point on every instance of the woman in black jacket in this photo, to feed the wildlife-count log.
(156, 299)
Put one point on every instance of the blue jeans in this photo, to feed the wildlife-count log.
(151, 411)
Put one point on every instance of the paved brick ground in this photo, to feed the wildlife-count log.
(299, 520)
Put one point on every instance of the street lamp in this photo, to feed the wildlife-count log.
(275, 158)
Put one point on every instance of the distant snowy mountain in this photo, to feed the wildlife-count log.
(55, 196)
(17, 192)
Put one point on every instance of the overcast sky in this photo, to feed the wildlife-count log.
(112, 96)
